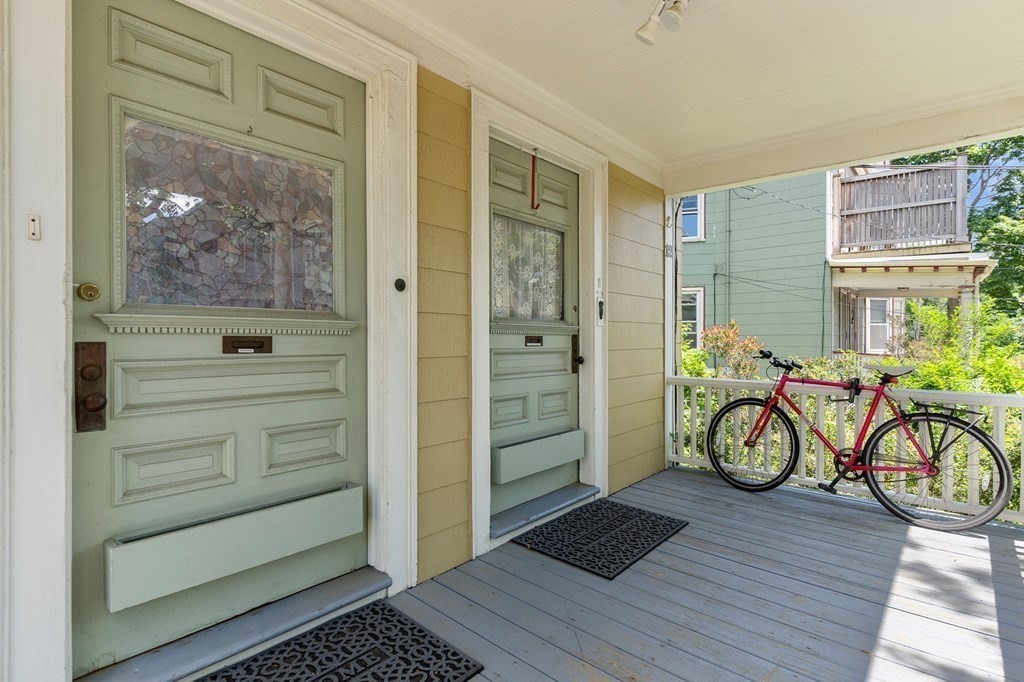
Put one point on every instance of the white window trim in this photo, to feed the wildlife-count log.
(700, 311)
(701, 203)
(868, 324)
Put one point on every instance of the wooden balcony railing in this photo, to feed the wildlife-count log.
(902, 208)
(696, 400)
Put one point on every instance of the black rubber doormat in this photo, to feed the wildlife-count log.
(375, 643)
(602, 537)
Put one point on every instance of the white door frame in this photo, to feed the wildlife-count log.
(492, 118)
(36, 294)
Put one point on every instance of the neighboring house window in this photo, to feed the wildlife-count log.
(880, 321)
(691, 316)
(689, 217)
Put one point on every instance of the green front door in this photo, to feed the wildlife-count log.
(534, 376)
(219, 212)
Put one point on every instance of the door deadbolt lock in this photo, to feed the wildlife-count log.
(88, 292)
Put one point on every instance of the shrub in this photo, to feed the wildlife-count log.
(693, 362)
(735, 352)
(841, 366)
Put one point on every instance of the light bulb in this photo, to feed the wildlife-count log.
(672, 18)
(647, 33)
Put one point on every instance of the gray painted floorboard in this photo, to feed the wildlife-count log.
(786, 585)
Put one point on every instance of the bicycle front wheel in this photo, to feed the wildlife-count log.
(764, 463)
(971, 486)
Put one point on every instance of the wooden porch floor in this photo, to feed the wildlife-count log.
(760, 587)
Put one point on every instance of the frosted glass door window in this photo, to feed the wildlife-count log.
(213, 224)
(527, 271)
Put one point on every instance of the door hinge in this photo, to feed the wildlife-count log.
(670, 251)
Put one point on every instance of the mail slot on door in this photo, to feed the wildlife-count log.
(534, 341)
(248, 344)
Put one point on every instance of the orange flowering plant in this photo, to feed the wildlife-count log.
(734, 351)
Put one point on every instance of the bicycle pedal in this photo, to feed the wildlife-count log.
(828, 488)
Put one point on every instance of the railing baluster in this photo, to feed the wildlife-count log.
(974, 480)
(858, 419)
(999, 436)
(706, 391)
(751, 416)
(1018, 473)
(819, 448)
(841, 425)
(999, 426)
(721, 398)
(947, 467)
(901, 477)
(694, 401)
(801, 433)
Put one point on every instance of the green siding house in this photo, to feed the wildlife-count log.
(821, 262)
(758, 255)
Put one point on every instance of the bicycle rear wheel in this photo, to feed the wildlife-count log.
(759, 466)
(971, 487)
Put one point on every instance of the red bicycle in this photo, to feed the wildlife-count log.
(932, 468)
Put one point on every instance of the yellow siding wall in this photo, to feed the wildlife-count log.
(636, 329)
(444, 325)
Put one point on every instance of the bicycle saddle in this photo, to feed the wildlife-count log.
(891, 370)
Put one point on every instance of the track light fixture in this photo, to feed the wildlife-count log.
(667, 13)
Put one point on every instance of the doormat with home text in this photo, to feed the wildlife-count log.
(375, 643)
(602, 537)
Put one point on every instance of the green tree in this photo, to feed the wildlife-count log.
(1003, 237)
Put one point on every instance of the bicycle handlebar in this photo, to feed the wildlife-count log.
(788, 364)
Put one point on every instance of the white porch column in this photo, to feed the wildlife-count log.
(35, 643)
(968, 297)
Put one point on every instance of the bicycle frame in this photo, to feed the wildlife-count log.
(852, 462)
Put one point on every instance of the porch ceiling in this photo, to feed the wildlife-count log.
(746, 88)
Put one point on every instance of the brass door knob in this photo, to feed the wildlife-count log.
(88, 291)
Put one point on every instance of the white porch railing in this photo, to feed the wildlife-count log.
(697, 399)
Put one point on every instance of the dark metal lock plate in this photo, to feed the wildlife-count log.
(577, 359)
(90, 387)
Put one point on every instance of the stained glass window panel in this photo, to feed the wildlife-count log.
(214, 224)
(526, 270)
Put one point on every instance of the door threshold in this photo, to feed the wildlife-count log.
(242, 636)
(526, 513)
